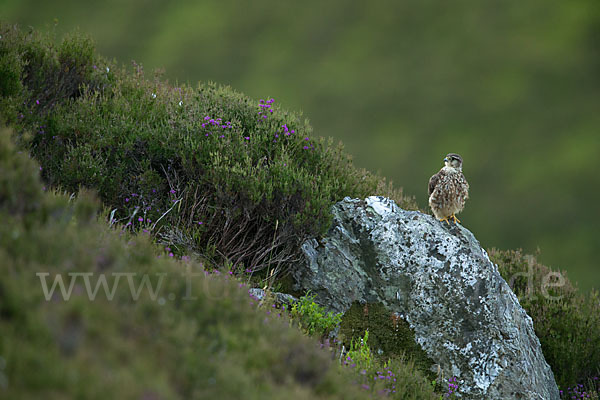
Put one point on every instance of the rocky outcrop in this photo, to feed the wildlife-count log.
(438, 279)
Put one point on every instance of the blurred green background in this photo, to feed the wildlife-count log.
(513, 86)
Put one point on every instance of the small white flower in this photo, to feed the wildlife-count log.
(107, 69)
(153, 95)
(180, 102)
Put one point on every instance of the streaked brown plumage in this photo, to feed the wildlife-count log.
(448, 189)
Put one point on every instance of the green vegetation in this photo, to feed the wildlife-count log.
(566, 321)
(205, 169)
(190, 336)
(389, 335)
(385, 378)
(221, 180)
(513, 88)
(313, 318)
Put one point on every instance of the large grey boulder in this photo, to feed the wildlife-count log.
(438, 278)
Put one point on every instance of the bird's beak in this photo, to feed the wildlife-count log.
(446, 159)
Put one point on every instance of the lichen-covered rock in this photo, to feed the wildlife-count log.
(279, 298)
(438, 278)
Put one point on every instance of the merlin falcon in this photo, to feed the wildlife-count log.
(448, 190)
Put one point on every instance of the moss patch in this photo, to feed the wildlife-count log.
(389, 336)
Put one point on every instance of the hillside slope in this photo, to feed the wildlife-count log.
(164, 330)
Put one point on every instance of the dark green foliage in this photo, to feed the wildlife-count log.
(24, 197)
(566, 321)
(214, 346)
(395, 377)
(232, 178)
(10, 73)
(388, 334)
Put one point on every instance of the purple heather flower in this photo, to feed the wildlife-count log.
(247, 137)
(140, 219)
(37, 102)
(172, 191)
(170, 254)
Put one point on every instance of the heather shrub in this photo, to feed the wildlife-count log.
(196, 336)
(204, 169)
(183, 333)
(566, 321)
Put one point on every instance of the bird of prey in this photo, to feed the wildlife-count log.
(448, 189)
